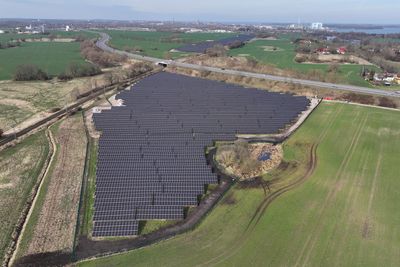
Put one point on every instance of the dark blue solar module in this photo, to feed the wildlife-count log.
(264, 156)
(151, 159)
(203, 46)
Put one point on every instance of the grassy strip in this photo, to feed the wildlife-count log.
(21, 193)
(87, 209)
(31, 224)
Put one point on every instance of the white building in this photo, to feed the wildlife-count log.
(264, 27)
(1, 31)
(317, 26)
(67, 28)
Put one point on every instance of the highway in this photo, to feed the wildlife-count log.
(102, 44)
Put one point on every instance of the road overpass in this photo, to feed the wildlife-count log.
(102, 44)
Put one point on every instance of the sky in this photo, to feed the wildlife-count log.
(337, 11)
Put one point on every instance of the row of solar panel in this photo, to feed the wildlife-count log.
(136, 178)
(148, 212)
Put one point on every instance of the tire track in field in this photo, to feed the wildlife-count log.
(371, 196)
(269, 199)
(325, 184)
(366, 226)
(312, 240)
(351, 199)
(260, 210)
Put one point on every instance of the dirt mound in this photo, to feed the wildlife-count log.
(244, 161)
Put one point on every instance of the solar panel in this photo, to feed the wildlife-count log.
(201, 47)
(151, 157)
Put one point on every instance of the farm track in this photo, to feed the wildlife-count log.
(269, 199)
(52, 153)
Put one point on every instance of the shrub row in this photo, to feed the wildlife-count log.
(9, 45)
(75, 70)
(91, 52)
(29, 72)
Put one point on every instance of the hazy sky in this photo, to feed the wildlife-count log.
(341, 11)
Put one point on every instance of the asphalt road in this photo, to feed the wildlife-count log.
(102, 44)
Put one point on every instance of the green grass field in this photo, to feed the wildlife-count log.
(87, 210)
(5, 37)
(283, 58)
(385, 40)
(157, 44)
(19, 170)
(345, 214)
(50, 56)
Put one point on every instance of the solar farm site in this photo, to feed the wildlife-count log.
(151, 161)
(203, 46)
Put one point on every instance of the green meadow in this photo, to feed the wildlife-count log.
(281, 54)
(157, 44)
(52, 57)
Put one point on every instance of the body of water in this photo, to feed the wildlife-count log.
(390, 30)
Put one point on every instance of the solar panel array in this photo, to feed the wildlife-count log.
(201, 47)
(151, 159)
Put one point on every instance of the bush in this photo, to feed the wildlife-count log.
(137, 69)
(75, 70)
(28, 72)
(333, 68)
(53, 110)
(303, 49)
(216, 51)
(80, 38)
(9, 45)
(362, 99)
(64, 77)
(301, 59)
(236, 44)
(238, 153)
(386, 102)
(251, 62)
(91, 52)
(204, 73)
